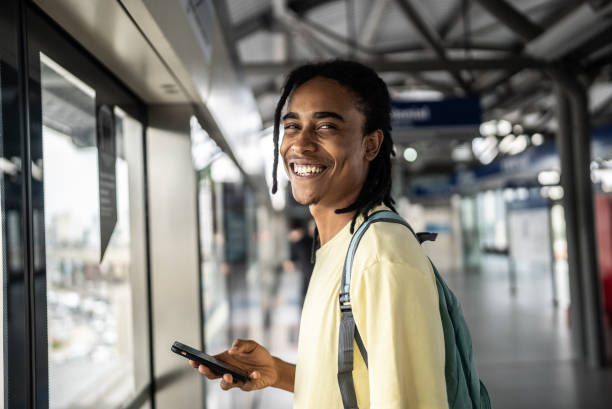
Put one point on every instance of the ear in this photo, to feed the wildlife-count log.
(371, 144)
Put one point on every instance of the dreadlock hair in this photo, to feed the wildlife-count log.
(374, 102)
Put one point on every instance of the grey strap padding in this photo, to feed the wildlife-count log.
(345, 360)
(348, 330)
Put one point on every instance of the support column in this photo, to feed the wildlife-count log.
(564, 147)
(576, 148)
(591, 282)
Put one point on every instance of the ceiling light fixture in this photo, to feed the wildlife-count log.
(537, 139)
(503, 127)
(410, 154)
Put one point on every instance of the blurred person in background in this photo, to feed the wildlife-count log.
(300, 253)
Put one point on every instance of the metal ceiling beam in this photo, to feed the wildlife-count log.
(514, 100)
(264, 18)
(512, 18)
(318, 29)
(303, 6)
(452, 46)
(482, 87)
(513, 95)
(267, 87)
(603, 107)
(453, 19)
(516, 21)
(259, 21)
(223, 14)
(542, 123)
(483, 30)
(559, 14)
(381, 51)
(571, 32)
(375, 16)
(311, 41)
(416, 79)
(444, 87)
(482, 46)
(419, 65)
(431, 38)
(599, 45)
(594, 66)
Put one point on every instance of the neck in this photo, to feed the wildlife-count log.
(329, 223)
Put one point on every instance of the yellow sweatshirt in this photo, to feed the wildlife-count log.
(395, 305)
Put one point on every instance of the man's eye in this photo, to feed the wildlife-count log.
(291, 126)
(328, 126)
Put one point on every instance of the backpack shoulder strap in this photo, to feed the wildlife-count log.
(348, 330)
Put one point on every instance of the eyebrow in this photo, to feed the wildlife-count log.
(316, 115)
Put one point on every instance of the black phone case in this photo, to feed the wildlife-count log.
(212, 363)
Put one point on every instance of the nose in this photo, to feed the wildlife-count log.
(303, 142)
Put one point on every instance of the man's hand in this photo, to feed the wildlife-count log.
(249, 356)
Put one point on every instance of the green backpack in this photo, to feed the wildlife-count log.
(464, 388)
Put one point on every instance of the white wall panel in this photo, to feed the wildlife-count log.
(174, 260)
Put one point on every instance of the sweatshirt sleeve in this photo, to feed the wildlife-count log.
(396, 311)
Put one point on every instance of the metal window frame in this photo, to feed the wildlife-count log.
(16, 359)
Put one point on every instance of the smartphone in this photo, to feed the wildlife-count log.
(215, 365)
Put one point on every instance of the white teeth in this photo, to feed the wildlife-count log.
(305, 170)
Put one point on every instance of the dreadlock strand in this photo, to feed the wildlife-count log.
(353, 221)
(315, 245)
(276, 134)
(275, 163)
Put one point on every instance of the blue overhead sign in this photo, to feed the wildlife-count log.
(449, 112)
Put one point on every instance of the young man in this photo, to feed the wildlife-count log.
(337, 151)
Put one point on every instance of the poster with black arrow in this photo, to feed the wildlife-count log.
(107, 175)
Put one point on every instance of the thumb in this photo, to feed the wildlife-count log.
(243, 346)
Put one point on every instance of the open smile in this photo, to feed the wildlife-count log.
(305, 170)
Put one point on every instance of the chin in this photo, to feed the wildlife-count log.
(305, 200)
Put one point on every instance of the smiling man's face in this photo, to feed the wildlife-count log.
(324, 149)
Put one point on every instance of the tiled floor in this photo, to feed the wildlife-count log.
(523, 343)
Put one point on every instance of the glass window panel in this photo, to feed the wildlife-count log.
(91, 304)
(130, 199)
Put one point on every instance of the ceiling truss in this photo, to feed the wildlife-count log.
(479, 45)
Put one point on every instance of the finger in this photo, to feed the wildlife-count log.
(227, 382)
(204, 370)
(249, 386)
(193, 363)
(243, 346)
(253, 383)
